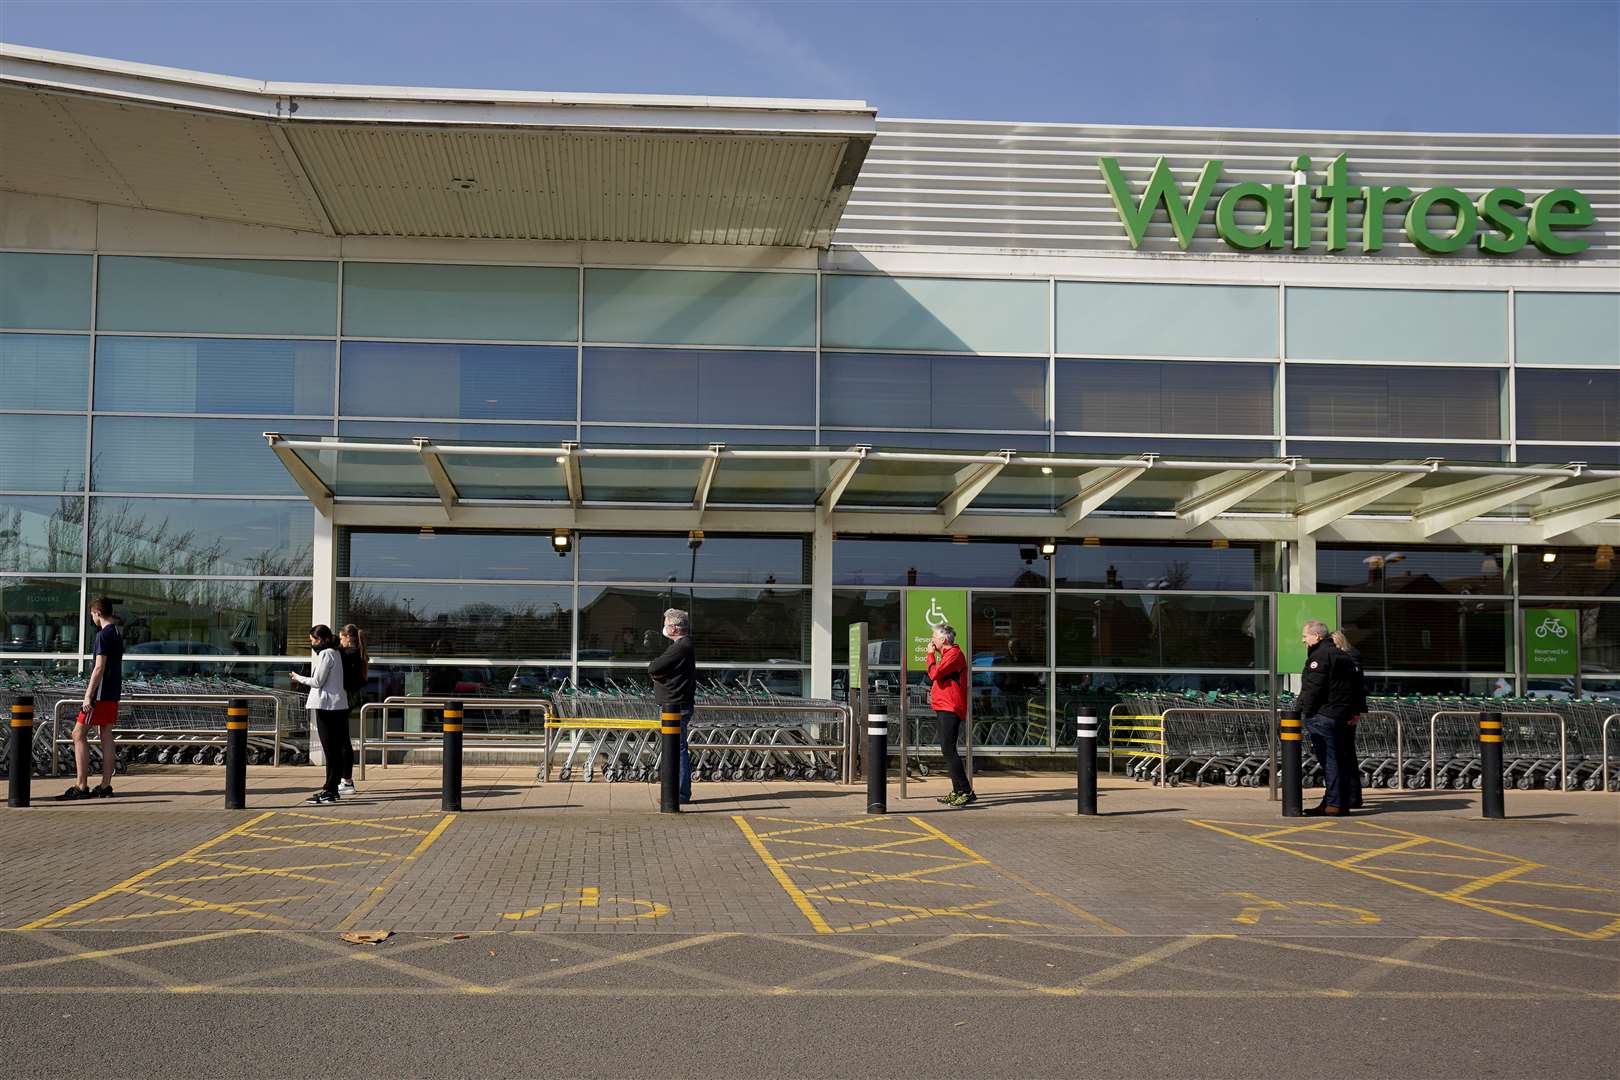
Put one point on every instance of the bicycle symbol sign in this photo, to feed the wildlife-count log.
(1552, 626)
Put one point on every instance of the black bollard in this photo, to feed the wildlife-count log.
(236, 754)
(1085, 764)
(450, 794)
(1490, 766)
(877, 760)
(22, 751)
(1292, 733)
(669, 762)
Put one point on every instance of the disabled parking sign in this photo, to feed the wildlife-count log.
(928, 608)
(1551, 641)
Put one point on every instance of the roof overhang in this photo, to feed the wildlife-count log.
(874, 489)
(424, 162)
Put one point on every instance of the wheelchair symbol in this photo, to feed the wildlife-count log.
(1551, 626)
(934, 616)
(592, 899)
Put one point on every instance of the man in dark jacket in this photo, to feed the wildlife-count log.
(674, 676)
(1325, 701)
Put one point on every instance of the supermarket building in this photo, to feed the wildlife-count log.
(500, 376)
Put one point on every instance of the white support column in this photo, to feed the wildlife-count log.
(323, 596)
(1302, 564)
(821, 610)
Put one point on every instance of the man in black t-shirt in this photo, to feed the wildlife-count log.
(674, 676)
(100, 711)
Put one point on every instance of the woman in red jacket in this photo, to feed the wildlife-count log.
(947, 674)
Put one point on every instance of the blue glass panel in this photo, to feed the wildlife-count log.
(1567, 328)
(41, 453)
(474, 382)
(1111, 319)
(950, 315)
(697, 387)
(226, 457)
(214, 375)
(450, 554)
(44, 371)
(888, 390)
(1397, 324)
(217, 296)
(44, 292)
(700, 307)
(695, 437)
(42, 532)
(490, 303)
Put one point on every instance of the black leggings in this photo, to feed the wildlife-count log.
(333, 726)
(950, 725)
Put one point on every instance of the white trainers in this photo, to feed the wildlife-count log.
(345, 787)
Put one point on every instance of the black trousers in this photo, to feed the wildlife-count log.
(1329, 738)
(950, 726)
(333, 727)
(1350, 767)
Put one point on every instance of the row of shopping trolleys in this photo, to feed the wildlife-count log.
(1427, 742)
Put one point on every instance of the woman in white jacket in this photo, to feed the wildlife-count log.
(330, 704)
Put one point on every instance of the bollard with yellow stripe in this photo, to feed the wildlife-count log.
(21, 746)
(1291, 733)
(669, 761)
(236, 753)
(1490, 766)
(450, 792)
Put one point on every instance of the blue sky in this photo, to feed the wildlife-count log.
(1436, 66)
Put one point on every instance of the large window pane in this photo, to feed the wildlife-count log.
(1147, 395)
(988, 442)
(1009, 709)
(45, 371)
(217, 296)
(41, 453)
(409, 553)
(1117, 319)
(1397, 324)
(177, 617)
(226, 457)
(1561, 455)
(622, 622)
(531, 622)
(214, 375)
(1102, 630)
(743, 560)
(694, 437)
(684, 386)
(1419, 403)
(700, 307)
(44, 292)
(878, 390)
(1569, 405)
(1463, 634)
(1009, 629)
(1095, 693)
(1569, 571)
(259, 538)
(1422, 568)
(39, 615)
(390, 678)
(1323, 450)
(880, 610)
(468, 303)
(868, 312)
(475, 382)
(1567, 328)
(465, 434)
(42, 533)
(1132, 446)
(991, 563)
(1113, 564)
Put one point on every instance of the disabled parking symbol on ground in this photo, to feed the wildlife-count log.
(590, 899)
(1307, 912)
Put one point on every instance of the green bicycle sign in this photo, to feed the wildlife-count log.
(1551, 641)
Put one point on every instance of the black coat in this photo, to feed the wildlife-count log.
(674, 674)
(1328, 683)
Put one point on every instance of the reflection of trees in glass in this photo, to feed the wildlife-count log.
(129, 538)
(244, 618)
(397, 623)
(51, 546)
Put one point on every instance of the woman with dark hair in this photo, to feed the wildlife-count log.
(356, 668)
(330, 704)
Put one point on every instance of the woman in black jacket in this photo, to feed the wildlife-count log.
(1350, 763)
(356, 668)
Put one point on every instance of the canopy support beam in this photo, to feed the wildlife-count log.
(1096, 487)
(970, 484)
(1447, 507)
(838, 479)
(1214, 495)
(436, 472)
(705, 481)
(575, 485)
(313, 487)
(1326, 501)
(1578, 506)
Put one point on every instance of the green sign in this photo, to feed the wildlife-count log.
(857, 655)
(928, 608)
(1294, 610)
(1440, 220)
(1551, 641)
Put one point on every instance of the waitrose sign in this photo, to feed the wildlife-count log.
(1441, 220)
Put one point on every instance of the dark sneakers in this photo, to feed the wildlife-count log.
(322, 798)
(959, 798)
(73, 794)
(102, 791)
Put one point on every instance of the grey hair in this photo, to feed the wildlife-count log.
(679, 619)
(947, 631)
(1318, 628)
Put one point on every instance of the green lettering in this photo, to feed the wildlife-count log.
(1546, 217)
(1302, 203)
(1162, 189)
(1441, 243)
(1337, 193)
(1496, 211)
(1372, 216)
(1273, 197)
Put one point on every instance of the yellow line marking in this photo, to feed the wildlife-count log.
(250, 872)
(1293, 829)
(1416, 965)
(135, 879)
(1466, 901)
(375, 896)
(886, 848)
(863, 825)
(98, 954)
(1072, 909)
(1147, 959)
(591, 897)
(1375, 852)
(800, 900)
(383, 961)
(343, 823)
(908, 877)
(612, 961)
(330, 845)
(1494, 879)
(1374, 972)
(1550, 907)
(907, 958)
(278, 871)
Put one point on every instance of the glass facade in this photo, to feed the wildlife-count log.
(137, 388)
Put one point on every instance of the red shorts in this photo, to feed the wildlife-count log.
(102, 714)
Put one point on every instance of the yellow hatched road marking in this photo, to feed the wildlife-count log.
(375, 896)
(800, 900)
(1494, 879)
(1375, 852)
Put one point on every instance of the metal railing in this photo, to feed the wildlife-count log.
(1603, 776)
(1473, 716)
(159, 735)
(473, 741)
